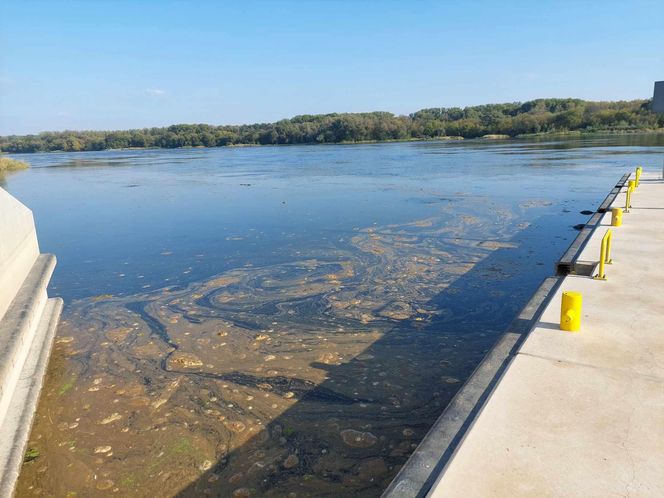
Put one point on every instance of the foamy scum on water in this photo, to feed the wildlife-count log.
(316, 377)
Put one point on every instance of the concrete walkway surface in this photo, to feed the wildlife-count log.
(582, 414)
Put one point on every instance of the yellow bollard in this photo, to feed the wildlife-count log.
(628, 200)
(616, 217)
(639, 170)
(604, 255)
(570, 311)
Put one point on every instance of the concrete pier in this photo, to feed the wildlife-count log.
(582, 414)
(28, 319)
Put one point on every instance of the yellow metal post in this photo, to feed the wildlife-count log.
(570, 311)
(616, 217)
(628, 200)
(604, 255)
(639, 170)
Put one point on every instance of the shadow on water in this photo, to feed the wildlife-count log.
(350, 434)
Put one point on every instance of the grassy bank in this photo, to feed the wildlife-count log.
(587, 133)
(9, 164)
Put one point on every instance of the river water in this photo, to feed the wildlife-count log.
(285, 321)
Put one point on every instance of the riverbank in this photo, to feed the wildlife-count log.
(591, 133)
(490, 121)
(655, 133)
(9, 164)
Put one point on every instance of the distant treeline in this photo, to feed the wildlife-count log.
(515, 119)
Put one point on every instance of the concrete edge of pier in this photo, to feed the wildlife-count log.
(581, 414)
(423, 468)
(28, 321)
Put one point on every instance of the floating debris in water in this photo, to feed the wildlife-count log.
(358, 439)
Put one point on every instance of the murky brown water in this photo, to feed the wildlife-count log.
(310, 378)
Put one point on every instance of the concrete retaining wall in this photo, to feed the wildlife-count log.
(28, 320)
(18, 247)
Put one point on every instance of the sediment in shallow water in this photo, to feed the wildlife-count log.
(315, 377)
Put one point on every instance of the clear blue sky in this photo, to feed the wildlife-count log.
(124, 64)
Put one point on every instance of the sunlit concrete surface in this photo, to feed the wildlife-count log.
(18, 247)
(582, 414)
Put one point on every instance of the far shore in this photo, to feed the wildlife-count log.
(484, 138)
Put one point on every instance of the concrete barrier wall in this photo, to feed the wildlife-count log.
(18, 247)
(28, 321)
